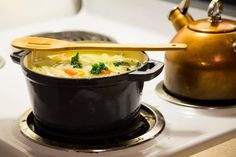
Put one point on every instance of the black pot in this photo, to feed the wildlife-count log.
(86, 106)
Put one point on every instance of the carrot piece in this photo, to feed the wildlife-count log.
(70, 72)
(105, 72)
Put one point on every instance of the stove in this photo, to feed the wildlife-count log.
(186, 129)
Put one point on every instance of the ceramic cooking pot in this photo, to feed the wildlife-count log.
(76, 107)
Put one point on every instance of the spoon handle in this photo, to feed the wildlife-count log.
(39, 43)
(130, 47)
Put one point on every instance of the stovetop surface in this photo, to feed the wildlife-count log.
(186, 127)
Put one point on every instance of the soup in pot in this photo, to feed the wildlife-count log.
(84, 65)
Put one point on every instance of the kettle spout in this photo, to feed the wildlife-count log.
(179, 15)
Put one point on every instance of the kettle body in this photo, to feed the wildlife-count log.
(206, 70)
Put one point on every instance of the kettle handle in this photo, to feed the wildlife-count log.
(183, 6)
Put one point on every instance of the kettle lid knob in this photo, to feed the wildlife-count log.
(215, 9)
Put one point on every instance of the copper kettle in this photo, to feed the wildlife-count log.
(207, 69)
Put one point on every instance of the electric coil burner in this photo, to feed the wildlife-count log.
(150, 125)
(76, 36)
(187, 102)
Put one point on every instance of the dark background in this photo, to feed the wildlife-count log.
(229, 5)
(224, 1)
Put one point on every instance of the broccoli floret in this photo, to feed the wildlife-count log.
(97, 68)
(75, 61)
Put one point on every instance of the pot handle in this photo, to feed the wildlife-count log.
(153, 69)
(16, 56)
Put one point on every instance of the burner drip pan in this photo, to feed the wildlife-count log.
(150, 125)
(187, 102)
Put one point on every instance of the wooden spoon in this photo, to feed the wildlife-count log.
(39, 43)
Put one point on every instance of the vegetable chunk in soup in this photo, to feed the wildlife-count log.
(85, 65)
